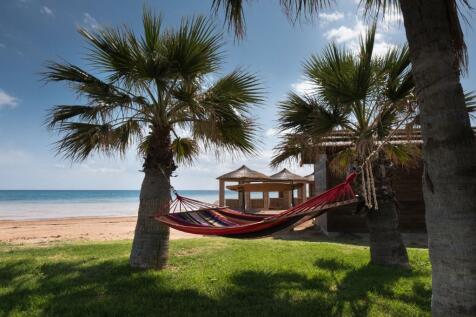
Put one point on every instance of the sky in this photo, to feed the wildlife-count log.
(33, 32)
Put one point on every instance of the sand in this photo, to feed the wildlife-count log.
(44, 232)
(73, 229)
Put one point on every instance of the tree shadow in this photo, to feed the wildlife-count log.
(357, 286)
(112, 288)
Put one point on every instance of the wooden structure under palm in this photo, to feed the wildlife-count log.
(249, 181)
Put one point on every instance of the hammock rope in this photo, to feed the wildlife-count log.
(369, 192)
(193, 216)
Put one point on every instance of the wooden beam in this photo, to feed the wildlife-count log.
(221, 196)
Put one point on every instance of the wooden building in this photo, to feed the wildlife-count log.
(406, 182)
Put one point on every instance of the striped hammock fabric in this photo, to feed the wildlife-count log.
(193, 216)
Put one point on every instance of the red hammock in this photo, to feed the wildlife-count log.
(209, 219)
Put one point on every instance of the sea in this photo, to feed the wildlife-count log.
(45, 204)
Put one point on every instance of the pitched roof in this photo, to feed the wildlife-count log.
(243, 173)
(286, 175)
(310, 177)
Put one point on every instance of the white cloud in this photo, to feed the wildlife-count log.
(350, 35)
(90, 21)
(381, 48)
(330, 17)
(47, 11)
(7, 101)
(303, 87)
(345, 34)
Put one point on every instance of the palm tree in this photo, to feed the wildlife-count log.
(438, 54)
(154, 88)
(364, 96)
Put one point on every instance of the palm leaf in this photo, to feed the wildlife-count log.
(82, 139)
(185, 150)
(405, 154)
(340, 162)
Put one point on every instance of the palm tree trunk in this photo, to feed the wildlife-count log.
(449, 153)
(386, 244)
(151, 239)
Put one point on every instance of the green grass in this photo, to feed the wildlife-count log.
(211, 277)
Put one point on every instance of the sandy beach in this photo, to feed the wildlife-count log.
(72, 229)
(45, 231)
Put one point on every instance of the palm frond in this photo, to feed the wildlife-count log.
(82, 139)
(294, 148)
(307, 9)
(405, 154)
(231, 135)
(185, 150)
(332, 73)
(470, 99)
(194, 49)
(86, 84)
(294, 10)
(234, 15)
(396, 67)
(63, 113)
(116, 52)
(362, 75)
(219, 116)
(340, 162)
(152, 24)
(308, 115)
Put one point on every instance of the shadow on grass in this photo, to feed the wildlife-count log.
(411, 240)
(111, 288)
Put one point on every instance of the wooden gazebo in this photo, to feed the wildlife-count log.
(284, 183)
(242, 175)
(299, 183)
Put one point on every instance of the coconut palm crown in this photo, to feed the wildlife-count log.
(154, 91)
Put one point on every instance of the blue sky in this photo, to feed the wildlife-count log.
(34, 31)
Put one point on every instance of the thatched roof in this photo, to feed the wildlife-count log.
(286, 175)
(340, 139)
(310, 177)
(243, 173)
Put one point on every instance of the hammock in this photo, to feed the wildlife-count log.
(209, 219)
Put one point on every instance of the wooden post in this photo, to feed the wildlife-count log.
(287, 199)
(320, 185)
(266, 200)
(320, 174)
(221, 197)
(300, 195)
(241, 198)
(247, 201)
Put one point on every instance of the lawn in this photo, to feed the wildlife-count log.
(211, 277)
